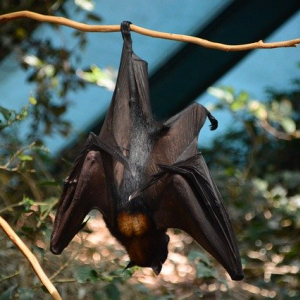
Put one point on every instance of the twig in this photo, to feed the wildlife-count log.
(9, 276)
(34, 203)
(278, 134)
(155, 34)
(6, 166)
(63, 266)
(31, 258)
(12, 206)
(67, 280)
(46, 213)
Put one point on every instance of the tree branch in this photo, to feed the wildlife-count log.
(155, 34)
(31, 258)
(273, 131)
(9, 276)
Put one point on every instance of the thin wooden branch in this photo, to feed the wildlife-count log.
(9, 276)
(155, 34)
(273, 131)
(31, 258)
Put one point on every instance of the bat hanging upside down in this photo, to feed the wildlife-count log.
(145, 177)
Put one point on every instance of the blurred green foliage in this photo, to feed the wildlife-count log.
(258, 171)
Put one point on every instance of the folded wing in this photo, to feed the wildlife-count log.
(85, 189)
(191, 202)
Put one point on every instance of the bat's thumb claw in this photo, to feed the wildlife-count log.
(213, 121)
(133, 195)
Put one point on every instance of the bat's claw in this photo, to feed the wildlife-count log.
(213, 121)
(125, 30)
(134, 194)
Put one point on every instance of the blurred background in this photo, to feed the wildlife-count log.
(56, 84)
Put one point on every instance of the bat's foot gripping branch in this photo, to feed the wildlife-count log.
(125, 30)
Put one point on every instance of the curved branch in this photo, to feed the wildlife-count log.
(155, 34)
(31, 258)
(273, 131)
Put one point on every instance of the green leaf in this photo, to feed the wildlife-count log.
(48, 70)
(32, 100)
(48, 183)
(88, 76)
(288, 125)
(85, 274)
(285, 107)
(7, 295)
(6, 113)
(25, 157)
(27, 203)
(112, 291)
(44, 208)
(25, 294)
(203, 271)
(258, 109)
(33, 61)
(197, 255)
(221, 93)
(94, 17)
(85, 4)
(240, 102)
(100, 295)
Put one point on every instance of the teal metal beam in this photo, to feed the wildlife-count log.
(188, 73)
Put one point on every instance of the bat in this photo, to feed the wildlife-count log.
(146, 176)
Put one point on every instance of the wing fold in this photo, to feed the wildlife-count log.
(190, 201)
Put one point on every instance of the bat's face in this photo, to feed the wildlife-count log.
(145, 245)
(150, 250)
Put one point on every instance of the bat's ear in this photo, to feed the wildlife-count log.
(156, 266)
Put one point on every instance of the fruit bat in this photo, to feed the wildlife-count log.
(145, 177)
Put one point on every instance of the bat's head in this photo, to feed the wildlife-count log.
(149, 251)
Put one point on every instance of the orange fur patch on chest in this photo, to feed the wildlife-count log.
(133, 224)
